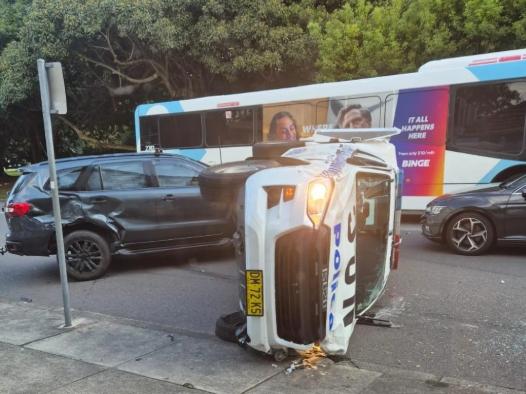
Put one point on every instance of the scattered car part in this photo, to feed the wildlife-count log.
(373, 321)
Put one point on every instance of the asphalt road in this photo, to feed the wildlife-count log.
(456, 316)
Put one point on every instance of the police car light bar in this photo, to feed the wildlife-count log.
(357, 135)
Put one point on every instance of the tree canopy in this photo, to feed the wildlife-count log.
(365, 38)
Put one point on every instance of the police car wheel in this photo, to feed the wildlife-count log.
(272, 149)
(227, 325)
(221, 183)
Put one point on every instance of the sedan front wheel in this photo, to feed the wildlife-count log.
(469, 234)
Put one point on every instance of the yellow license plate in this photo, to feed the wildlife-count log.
(254, 292)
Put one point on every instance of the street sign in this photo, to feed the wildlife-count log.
(57, 90)
(53, 96)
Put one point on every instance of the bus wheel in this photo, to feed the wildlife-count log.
(221, 183)
(273, 149)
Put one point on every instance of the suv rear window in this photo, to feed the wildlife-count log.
(22, 181)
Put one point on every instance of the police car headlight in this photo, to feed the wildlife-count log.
(318, 196)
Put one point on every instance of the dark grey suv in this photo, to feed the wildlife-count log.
(122, 204)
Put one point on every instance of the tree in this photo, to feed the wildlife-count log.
(118, 53)
(365, 39)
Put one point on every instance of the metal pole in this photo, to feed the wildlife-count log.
(44, 95)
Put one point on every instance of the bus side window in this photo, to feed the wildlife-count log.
(149, 126)
(489, 118)
(180, 131)
(230, 127)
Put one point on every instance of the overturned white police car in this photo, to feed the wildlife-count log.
(317, 235)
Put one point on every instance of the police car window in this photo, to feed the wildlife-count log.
(372, 227)
(174, 173)
(121, 176)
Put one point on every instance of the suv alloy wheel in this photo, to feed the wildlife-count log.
(87, 255)
(469, 233)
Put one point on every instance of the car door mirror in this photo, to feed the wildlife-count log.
(524, 193)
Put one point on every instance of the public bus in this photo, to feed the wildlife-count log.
(462, 119)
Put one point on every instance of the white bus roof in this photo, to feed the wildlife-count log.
(474, 60)
(434, 73)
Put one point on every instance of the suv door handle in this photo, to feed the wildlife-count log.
(169, 197)
(98, 200)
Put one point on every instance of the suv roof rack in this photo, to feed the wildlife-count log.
(359, 135)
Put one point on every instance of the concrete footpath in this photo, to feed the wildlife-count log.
(103, 354)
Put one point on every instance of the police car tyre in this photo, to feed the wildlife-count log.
(226, 326)
(88, 255)
(470, 234)
(273, 149)
(222, 182)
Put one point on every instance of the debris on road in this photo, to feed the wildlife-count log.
(309, 360)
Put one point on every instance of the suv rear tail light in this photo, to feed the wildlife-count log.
(18, 209)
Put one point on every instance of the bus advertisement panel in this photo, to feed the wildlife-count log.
(421, 115)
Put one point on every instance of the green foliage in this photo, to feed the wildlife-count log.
(11, 19)
(118, 53)
(364, 38)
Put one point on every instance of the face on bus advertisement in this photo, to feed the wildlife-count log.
(283, 127)
(292, 121)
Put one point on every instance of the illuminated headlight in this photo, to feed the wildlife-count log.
(318, 196)
(435, 209)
